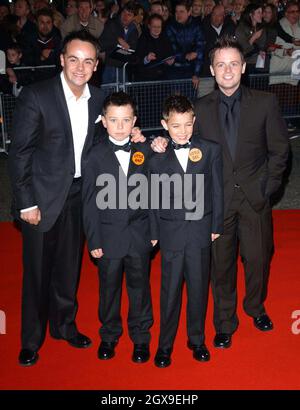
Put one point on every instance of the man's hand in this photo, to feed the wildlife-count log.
(170, 61)
(45, 53)
(151, 56)
(123, 43)
(137, 136)
(159, 144)
(195, 81)
(154, 242)
(214, 236)
(97, 253)
(32, 217)
(191, 56)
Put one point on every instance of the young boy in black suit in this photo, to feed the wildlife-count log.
(117, 229)
(187, 227)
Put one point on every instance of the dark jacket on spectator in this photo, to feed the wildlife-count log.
(114, 29)
(186, 38)
(162, 48)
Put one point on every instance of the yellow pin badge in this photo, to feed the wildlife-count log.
(195, 154)
(138, 158)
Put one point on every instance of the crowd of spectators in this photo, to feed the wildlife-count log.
(159, 39)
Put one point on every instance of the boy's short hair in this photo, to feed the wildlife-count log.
(178, 104)
(16, 47)
(223, 43)
(118, 99)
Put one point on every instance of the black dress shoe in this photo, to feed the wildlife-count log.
(222, 340)
(263, 322)
(200, 352)
(162, 358)
(106, 350)
(79, 340)
(141, 353)
(28, 357)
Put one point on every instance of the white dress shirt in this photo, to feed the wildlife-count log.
(79, 118)
(183, 157)
(122, 156)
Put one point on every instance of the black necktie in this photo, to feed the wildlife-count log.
(230, 126)
(179, 146)
(126, 147)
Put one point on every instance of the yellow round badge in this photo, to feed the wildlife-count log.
(195, 154)
(138, 158)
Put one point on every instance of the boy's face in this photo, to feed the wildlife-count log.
(119, 121)
(13, 56)
(180, 126)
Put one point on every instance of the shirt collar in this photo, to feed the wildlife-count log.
(116, 142)
(69, 93)
(235, 96)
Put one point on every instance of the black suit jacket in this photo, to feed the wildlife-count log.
(262, 144)
(41, 157)
(170, 225)
(115, 230)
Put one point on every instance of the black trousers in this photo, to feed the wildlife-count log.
(193, 266)
(253, 233)
(51, 263)
(140, 317)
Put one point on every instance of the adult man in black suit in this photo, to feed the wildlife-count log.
(252, 132)
(53, 129)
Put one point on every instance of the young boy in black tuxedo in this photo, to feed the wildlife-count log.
(118, 229)
(187, 228)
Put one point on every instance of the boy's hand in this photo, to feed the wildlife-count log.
(214, 236)
(154, 242)
(159, 144)
(97, 253)
(136, 135)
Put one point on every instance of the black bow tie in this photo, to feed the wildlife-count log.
(179, 146)
(126, 147)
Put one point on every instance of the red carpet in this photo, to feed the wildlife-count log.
(255, 361)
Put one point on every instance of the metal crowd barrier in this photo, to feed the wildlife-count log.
(149, 97)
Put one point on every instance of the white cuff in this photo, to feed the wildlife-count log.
(29, 209)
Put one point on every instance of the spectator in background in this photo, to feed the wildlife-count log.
(4, 10)
(58, 18)
(252, 37)
(140, 18)
(166, 11)
(83, 20)
(197, 11)
(207, 7)
(26, 28)
(71, 8)
(281, 60)
(238, 6)
(188, 44)
(153, 46)
(214, 26)
(45, 48)
(120, 31)
(156, 8)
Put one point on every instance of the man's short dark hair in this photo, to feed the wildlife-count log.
(155, 17)
(82, 35)
(118, 99)
(131, 7)
(223, 43)
(44, 12)
(178, 104)
(185, 3)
